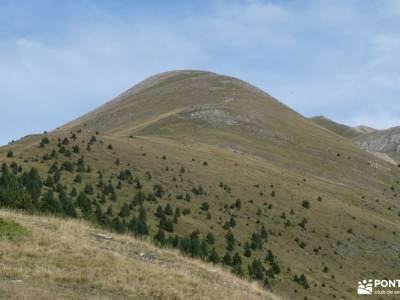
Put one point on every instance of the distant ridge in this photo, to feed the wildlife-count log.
(341, 129)
(386, 142)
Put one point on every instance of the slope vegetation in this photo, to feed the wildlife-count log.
(220, 170)
(70, 259)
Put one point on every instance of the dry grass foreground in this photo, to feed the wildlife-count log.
(65, 259)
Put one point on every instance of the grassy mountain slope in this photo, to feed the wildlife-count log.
(377, 142)
(341, 129)
(68, 259)
(328, 206)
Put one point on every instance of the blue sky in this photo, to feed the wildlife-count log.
(60, 59)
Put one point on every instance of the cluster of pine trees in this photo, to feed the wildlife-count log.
(24, 190)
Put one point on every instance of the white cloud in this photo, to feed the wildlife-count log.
(335, 58)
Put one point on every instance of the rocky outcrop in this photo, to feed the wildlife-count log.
(382, 141)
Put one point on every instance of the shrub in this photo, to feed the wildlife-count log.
(158, 190)
(205, 206)
(210, 238)
(306, 204)
(168, 210)
(302, 280)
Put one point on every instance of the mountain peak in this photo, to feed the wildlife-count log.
(167, 94)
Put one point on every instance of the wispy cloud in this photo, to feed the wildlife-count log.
(338, 58)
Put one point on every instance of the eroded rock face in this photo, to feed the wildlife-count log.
(213, 116)
(249, 122)
(385, 141)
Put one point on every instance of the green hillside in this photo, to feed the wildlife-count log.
(224, 172)
(69, 259)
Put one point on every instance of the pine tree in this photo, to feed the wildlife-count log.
(49, 182)
(227, 259)
(12, 193)
(195, 245)
(45, 141)
(204, 249)
(124, 212)
(232, 222)
(238, 204)
(50, 204)
(237, 269)
(57, 176)
(113, 196)
(159, 212)
(236, 260)
(270, 273)
(163, 222)
(256, 241)
(67, 206)
(210, 238)
(33, 184)
(143, 228)
(53, 168)
(83, 202)
(168, 210)
(230, 241)
(81, 164)
(275, 267)
(302, 280)
(14, 168)
(65, 141)
(303, 223)
(158, 191)
(160, 238)
(133, 226)
(266, 283)
(139, 198)
(247, 250)
(256, 270)
(78, 178)
(53, 154)
(177, 213)
(264, 233)
(89, 189)
(269, 257)
(205, 206)
(137, 184)
(73, 192)
(101, 218)
(306, 204)
(76, 149)
(214, 257)
(109, 211)
(175, 219)
(117, 225)
(169, 225)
